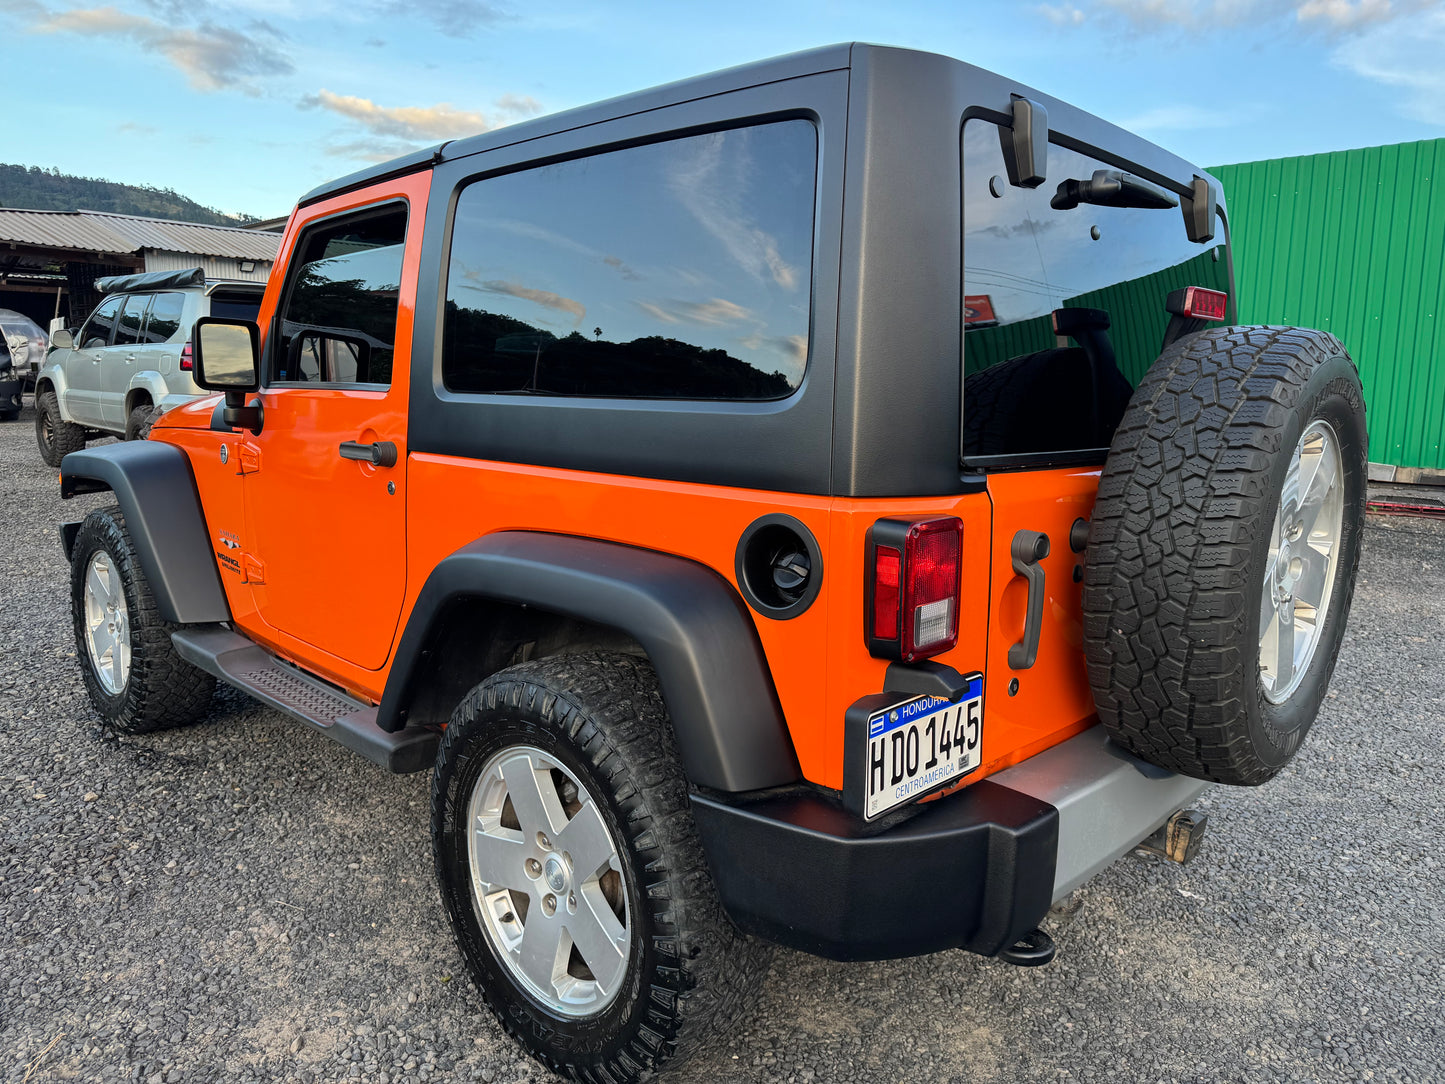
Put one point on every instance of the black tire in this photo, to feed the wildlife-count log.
(162, 690)
(689, 970)
(1179, 544)
(56, 436)
(138, 423)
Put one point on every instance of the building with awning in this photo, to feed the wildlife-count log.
(49, 260)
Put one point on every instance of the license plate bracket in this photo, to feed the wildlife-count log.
(892, 756)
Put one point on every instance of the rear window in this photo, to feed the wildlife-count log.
(235, 306)
(675, 270)
(1027, 254)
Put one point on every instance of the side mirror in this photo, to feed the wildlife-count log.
(224, 353)
(62, 339)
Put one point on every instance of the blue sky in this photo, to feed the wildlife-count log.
(245, 105)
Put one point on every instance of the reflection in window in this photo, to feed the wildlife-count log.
(678, 270)
(1111, 267)
(164, 318)
(127, 332)
(97, 329)
(339, 323)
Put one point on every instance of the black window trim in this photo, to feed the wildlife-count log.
(447, 394)
(362, 211)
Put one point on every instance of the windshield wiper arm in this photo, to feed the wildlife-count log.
(1110, 188)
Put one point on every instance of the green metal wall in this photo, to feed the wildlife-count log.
(1353, 243)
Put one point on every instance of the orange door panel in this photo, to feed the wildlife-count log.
(1052, 699)
(325, 547)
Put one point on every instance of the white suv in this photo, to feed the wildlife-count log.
(132, 359)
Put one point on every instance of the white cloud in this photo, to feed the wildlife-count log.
(710, 185)
(1346, 15)
(427, 123)
(212, 57)
(1335, 16)
(1062, 14)
(708, 313)
(1404, 54)
(1179, 118)
(546, 298)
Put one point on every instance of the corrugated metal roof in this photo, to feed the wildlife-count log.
(233, 241)
(1353, 242)
(98, 231)
(60, 229)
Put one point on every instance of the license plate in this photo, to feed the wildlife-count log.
(921, 745)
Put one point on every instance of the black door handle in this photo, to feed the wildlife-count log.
(1028, 549)
(380, 454)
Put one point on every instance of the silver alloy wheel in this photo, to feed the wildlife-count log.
(107, 623)
(1300, 573)
(547, 882)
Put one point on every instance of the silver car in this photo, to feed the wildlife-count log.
(132, 358)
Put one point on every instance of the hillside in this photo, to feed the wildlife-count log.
(50, 190)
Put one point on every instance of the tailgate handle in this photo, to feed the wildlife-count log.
(382, 453)
(1027, 550)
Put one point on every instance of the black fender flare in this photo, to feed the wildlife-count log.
(689, 620)
(156, 490)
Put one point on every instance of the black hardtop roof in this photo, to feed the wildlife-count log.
(791, 66)
(808, 62)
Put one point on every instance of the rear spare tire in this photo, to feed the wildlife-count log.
(1223, 550)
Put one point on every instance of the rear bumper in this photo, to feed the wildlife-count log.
(976, 870)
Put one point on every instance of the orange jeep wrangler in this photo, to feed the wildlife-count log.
(825, 502)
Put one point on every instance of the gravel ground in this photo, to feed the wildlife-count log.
(244, 900)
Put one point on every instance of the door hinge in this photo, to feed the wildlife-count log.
(253, 570)
(248, 458)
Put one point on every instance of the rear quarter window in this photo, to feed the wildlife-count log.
(235, 307)
(1024, 390)
(674, 270)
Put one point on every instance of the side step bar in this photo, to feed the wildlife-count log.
(254, 670)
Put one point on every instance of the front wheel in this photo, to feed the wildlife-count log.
(572, 872)
(135, 679)
(56, 436)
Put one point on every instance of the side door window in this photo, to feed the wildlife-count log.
(97, 330)
(132, 315)
(338, 318)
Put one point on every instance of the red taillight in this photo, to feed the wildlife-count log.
(1199, 303)
(885, 593)
(915, 571)
(186, 364)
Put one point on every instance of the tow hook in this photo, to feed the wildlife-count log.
(1179, 838)
(1033, 949)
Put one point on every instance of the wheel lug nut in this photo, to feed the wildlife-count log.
(534, 868)
(571, 902)
(549, 904)
(543, 841)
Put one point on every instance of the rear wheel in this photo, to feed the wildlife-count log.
(572, 872)
(135, 679)
(56, 436)
(138, 423)
(1223, 550)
